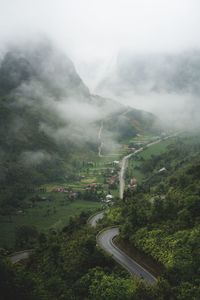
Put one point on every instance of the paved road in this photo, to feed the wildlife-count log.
(94, 219)
(16, 257)
(124, 163)
(105, 241)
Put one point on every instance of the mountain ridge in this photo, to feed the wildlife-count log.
(47, 114)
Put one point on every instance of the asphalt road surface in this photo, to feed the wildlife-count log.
(105, 241)
(16, 257)
(94, 219)
(124, 163)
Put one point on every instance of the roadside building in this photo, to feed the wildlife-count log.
(162, 170)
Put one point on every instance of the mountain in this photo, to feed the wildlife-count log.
(47, 114)
(44, 63)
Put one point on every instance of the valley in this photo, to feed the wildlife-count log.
(93, 188)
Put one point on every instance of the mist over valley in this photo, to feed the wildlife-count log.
(99, 150)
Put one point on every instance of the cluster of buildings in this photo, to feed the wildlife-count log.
(71, 194)
(92, 187)
(60, 190)
(113, 181)
(133, 184)
(108, 200)
(112, 176)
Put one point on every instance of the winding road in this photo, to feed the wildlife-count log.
(106, 236)
(105, 242)
(19, 256)
(93, 220)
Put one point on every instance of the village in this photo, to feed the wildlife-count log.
(98, 180)
(95, 184)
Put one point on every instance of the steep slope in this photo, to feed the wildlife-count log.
(162, 216)
(32, 152)
(46, 114)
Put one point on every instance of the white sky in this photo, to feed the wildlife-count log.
(92, 32)
(92, 29)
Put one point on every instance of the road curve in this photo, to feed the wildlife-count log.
(105, 241)
(93, 220)
(18, 256)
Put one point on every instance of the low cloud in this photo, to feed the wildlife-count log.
(34, 157)
(56, 95)
(165, 84)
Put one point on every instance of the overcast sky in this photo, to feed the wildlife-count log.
(92, 29)
(94, 32)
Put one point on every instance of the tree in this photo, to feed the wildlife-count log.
(26, 236)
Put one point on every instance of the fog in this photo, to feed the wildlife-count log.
(93, 29)
(48, 90)
(96, 34)
(34, 157)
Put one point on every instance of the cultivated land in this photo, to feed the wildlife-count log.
(134, 162)
(45, 215)
(56, 211)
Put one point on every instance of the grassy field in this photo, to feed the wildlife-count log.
(140, 138)
(146, 154)
(156, 149)
(56, 213)
(45, 215)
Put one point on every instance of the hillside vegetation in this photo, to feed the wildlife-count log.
(160, 218)
(49, 121)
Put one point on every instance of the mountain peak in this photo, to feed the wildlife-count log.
(44, 63)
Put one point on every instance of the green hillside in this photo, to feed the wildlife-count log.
(49, 121)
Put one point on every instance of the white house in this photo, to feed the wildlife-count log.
(162, 170)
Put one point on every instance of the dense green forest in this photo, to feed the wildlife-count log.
(44, 130)
(68, 265)
(160, 218)
(45, 140)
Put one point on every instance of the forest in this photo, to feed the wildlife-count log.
(160, 219)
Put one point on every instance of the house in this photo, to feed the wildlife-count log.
(108, 201)
(109, 197)
(92, 187)
(60, 190)
(162, 170)
(90, 163)
(112, 181)
(132, 187)
(133, 181)
(72, 195)
(132, 149)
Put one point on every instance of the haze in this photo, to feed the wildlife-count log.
(94, 33)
